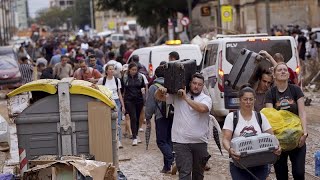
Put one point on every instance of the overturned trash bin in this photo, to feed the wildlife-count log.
(67, 117)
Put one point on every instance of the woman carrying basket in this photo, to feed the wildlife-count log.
(249, 123)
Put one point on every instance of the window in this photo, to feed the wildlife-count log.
(211, 55)
(272, 47)
(70, 2)
(62, 3)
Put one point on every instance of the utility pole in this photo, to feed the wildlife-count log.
(190, 17)
(91, 14)
(268, 17)
(219, 18)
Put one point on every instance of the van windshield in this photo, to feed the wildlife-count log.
(271, 46)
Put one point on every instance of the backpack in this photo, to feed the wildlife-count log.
(167, 111)
(125, 78)
(236, 119)
(115, 79)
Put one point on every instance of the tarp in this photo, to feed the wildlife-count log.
(76, 87)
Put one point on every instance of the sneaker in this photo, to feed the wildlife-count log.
(134, 142)
(140, 130)
(165, 171)
(120, 145)
(139, 140)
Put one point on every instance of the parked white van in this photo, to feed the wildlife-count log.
(151, 57)
(220, 55)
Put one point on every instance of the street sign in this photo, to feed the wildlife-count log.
(226, 13)
(185, 21)
(205, 11)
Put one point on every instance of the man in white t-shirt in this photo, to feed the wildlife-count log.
(190, 129)
(117, 65)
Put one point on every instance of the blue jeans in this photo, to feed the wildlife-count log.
(261, 172)
(118, 103)
(163, 134)
(298, 160)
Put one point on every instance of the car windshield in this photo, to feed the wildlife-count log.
(271, 46)
(7, 62)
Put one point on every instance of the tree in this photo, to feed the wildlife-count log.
(147, 12)
(79, 15)
(53, 17)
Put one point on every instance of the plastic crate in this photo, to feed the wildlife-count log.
(255, 150)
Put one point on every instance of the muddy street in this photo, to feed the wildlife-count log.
(140, 164)
(137, 163)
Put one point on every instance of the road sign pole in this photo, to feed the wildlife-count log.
(219, 18)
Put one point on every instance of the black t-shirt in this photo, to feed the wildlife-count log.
(286, 100)
(132, 88)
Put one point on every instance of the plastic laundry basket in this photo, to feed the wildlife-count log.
(255, 150)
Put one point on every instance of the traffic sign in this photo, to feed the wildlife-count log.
(205, 11)
(226, 13)
(185, 21)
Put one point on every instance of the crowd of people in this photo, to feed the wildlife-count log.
(97, 62)
(181, 120)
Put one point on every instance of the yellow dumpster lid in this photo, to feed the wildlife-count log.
(77, 87)
(45, 85)
(85, 88)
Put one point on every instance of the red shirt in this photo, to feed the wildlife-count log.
(90, 73)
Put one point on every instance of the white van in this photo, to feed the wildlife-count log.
(116, 39)
(151, 57)
(221, 53)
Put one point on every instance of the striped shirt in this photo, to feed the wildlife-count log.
(26, 73)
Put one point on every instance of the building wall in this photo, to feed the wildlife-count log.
(7, 21)
(203, 24)
(61, 3)
(22, 13)
(296, 12)
(249, 16)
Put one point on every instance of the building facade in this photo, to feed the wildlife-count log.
(61, 3)
(7, 21)
(22, 14)
(249, 16)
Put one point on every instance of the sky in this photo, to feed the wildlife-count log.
(35, 5)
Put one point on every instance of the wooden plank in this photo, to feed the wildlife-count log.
(100, 131)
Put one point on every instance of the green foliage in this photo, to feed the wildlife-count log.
(53, 17)
(79, 15)
(147, 12)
